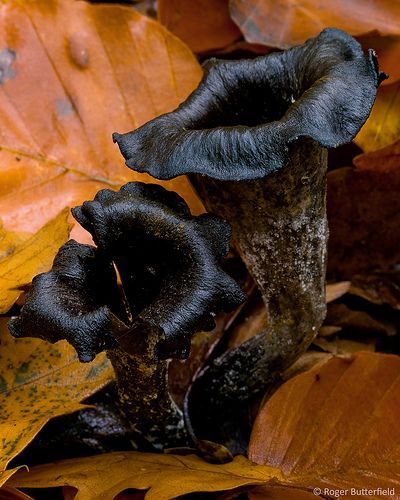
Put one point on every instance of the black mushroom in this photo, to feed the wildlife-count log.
(172, 285)
(266, 123)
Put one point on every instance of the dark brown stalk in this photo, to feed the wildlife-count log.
(280, 230)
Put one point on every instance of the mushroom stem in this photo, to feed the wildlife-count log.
(144, 398)
(280, 230)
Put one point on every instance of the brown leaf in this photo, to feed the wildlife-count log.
(39, 381)
(203, 24)
(167, 476)
(378, 288)
(357, 321)
(7, 493)
(336, 290)
(29, 257)
(283, 23)
(71, 74)
(382, 160)
(364, 221)
(335, 426)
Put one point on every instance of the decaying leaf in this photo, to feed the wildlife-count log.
(283, 23)
(204, 24)
(71, 74)
(39, 381)
(24, 259)
(383, 160)
(335, 426)
(364, 220)
(167, 476)
(336, 290)
(378, 287)
(383, 126)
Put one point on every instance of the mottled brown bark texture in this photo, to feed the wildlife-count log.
(144, 399)
(280, 230)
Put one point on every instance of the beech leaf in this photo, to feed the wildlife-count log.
(284, 23)
(335, 426)
(39, 381)
(72, 73)
(24, 257)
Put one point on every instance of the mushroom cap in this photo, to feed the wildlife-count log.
(169, 265)
(239, 122)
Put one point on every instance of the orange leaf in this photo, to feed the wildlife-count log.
(39, 381)
(29, 257)
(71, 74)
(283, 23)
(202, 24)
(335, 426)
(383, 126)
(167, 476)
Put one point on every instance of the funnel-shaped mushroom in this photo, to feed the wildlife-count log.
(266, 122)
(172, 284)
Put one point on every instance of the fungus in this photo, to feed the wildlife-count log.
(172, 284)
(266, 123)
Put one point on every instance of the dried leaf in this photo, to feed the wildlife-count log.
(383, 126)
(7, 493)
(203, 25)
(167, 476)
(364, 221)
(356, 321)
(382, 160)
(71, 74)
(340, 347)
(336, 290)
(335, 426)
(39, 381)
(378, 288)
(387, 49)
(283, 23)
(30, 257)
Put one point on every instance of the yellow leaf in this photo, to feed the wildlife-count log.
(30, 257)
(168, 476)
(383, 126)
(335, 426)
(39, 381)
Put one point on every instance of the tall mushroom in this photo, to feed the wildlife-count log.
(172, 284)
(266, 123)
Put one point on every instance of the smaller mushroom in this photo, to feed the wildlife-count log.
(172, 285)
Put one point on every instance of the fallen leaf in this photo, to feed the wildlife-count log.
(39, 381)
(334, 291)
(203, 25)
(71, 74)
(378, 288)
(364, 221)
(7, 493)
(357, 321)
(382, 160)
(283, 23)
(340, 347)
(335, 426)
(9, 241)
(167, 476)
(387, 49)
(29, 257)
(383, 125)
